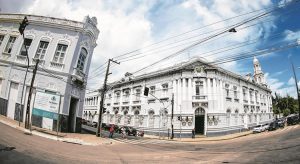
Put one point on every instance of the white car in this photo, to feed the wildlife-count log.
(266, 126)
(259, 128)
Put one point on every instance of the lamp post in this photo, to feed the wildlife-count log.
(21, 30)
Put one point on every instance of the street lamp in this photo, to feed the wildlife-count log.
(21, 30)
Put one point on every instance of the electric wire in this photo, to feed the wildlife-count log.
(264, 9)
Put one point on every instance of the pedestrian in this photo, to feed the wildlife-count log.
(111, 131)
(193, 133)
(123, 131)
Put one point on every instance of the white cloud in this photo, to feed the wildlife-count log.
(129, 25)
(291, 35)
(280, 88)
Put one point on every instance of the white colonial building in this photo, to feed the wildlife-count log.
(208, 98)
(64, 49)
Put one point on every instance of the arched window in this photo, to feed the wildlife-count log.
(81, 60)
(151, 119)
(228, 114)
(236, 112)
(199, 111)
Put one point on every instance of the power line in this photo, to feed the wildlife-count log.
(138, 55)
(273, 7)
(206, 39)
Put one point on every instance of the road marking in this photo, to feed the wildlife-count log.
(140, 141)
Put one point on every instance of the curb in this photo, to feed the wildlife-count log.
(44, 135)
(206, 139)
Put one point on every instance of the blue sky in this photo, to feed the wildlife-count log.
(136, 24)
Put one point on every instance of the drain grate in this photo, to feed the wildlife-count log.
(7, 148)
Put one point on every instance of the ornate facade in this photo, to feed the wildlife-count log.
(64, 49)
(208, 98)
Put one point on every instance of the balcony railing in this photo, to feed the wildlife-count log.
(78, 75)
(21, 59)
(200, 97)
(55, 65)
(41, 61)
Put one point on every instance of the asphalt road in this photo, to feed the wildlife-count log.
(281, 146)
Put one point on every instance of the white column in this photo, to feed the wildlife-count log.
(221, 97)
(179, 93)
(183, 89)
(205, 86)
(175, 94)
(190, 91)
(131, 96)
(209, 90)
(214, 89)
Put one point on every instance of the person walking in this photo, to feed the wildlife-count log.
(111, 131)
(193, 133)
(123, 131)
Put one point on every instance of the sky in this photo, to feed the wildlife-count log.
(150, 30)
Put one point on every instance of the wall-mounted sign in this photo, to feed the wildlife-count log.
(46, 105)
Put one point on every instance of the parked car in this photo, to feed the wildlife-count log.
(92, 124)
(131, 131)
(259, 128)
(266, 126)
(281, 122)
(273, 126)
(292, 119)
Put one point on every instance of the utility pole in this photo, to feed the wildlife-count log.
(172, 115)
(27, 119)
(98, 132)
(21, 30)
(296, 82)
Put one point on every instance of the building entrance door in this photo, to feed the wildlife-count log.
(72, 114)
(199, 121)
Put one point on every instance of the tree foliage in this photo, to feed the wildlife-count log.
(286, 105)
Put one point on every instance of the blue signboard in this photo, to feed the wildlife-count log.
(43, 113)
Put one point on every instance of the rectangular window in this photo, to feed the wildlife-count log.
(227, 90)
(1, 39)
(81, 59)
(235, 92)
(10, 44)
(244, 94)
(41, 51)
(199, 88)
(152, 90)
(60, 53)
(27, 43)
(165, 89)
(138, 94)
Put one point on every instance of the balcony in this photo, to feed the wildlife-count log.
(57, 66)
(200, 98)
(78, 75)
(41, 61)
(228, 98)
(5, 56)
(245, 101)
(236, 100)
(21, 59)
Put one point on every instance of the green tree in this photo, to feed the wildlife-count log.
(286, 112)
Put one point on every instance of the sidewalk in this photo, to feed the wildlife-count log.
(90, 139)
(203, 138)
(75, 138)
